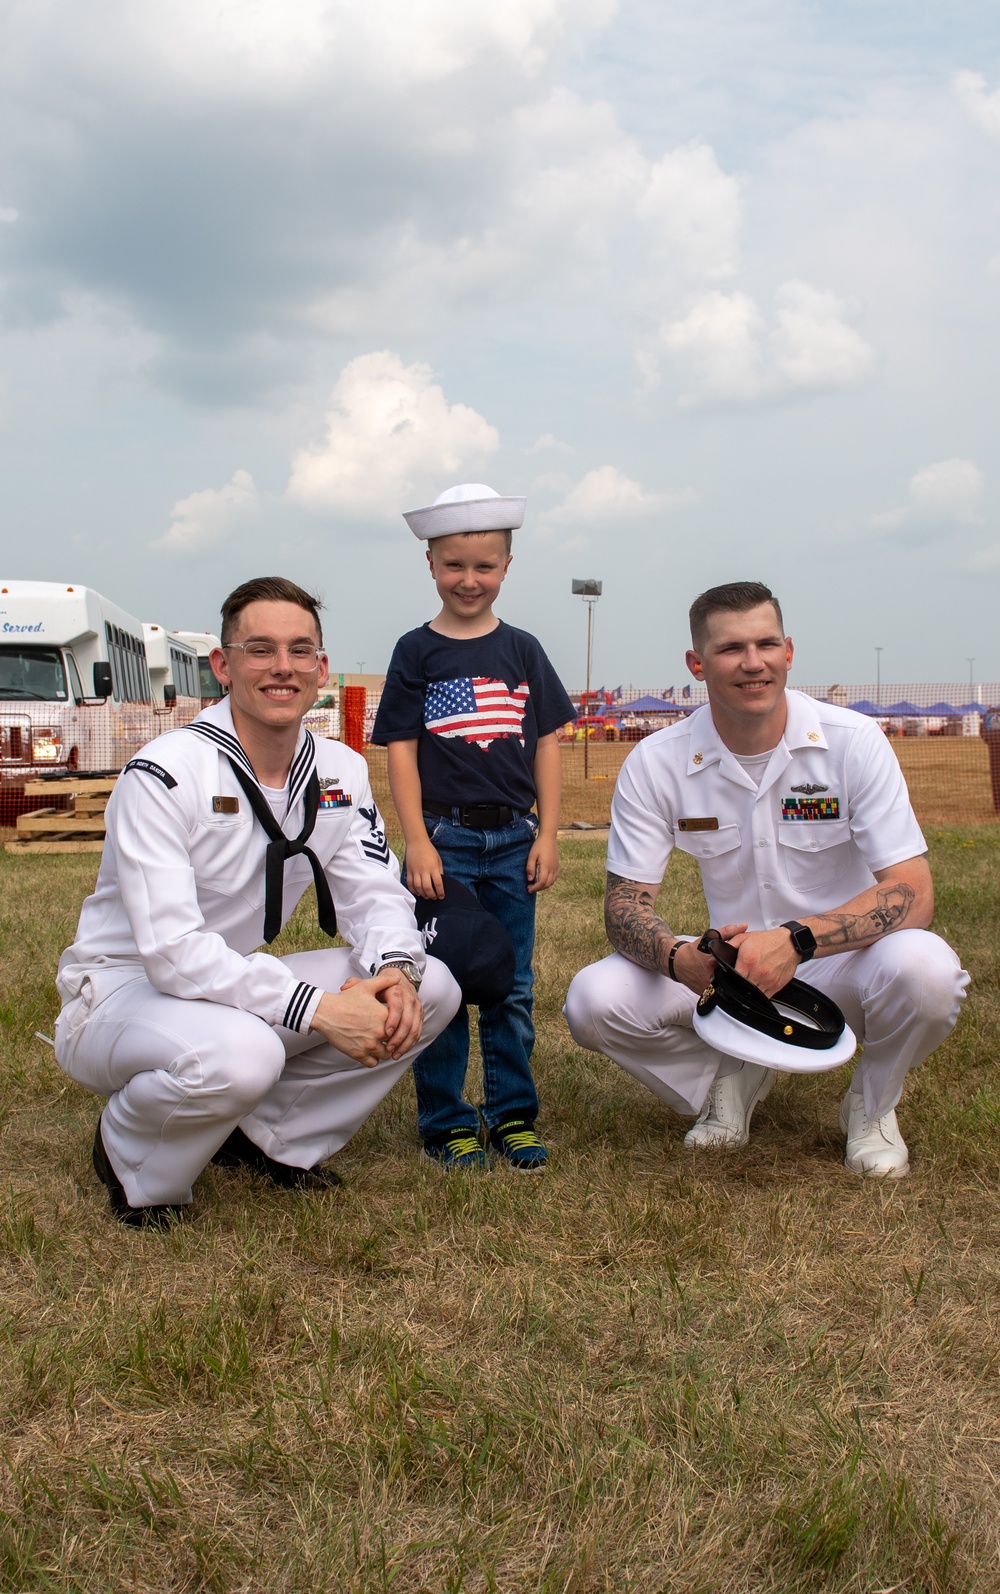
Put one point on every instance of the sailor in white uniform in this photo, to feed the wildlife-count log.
(798, 815)
(205, 1047)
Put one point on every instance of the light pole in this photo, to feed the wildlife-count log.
(878, 677)
(970, 662)
(589, 591)
(361, 666)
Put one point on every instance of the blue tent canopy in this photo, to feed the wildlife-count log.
(905, 709)
(652, 705)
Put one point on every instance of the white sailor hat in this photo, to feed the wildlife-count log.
(800, 1030)
(470, 507)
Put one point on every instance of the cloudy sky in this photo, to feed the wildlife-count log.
(715, 282)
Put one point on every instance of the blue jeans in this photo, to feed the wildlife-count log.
(493, 865)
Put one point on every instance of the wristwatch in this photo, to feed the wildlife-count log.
(406, 968)
(803, 939)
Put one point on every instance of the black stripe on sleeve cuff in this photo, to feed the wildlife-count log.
(297, 1004)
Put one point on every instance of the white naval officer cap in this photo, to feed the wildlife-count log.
(472, 506)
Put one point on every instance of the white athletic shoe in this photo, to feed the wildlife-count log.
(875, 1147)
(724, 1121)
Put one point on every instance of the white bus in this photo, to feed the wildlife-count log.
(173, 667)
(75, 692)
(203, 642)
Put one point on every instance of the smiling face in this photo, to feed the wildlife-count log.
(468, 570)
(276, 697)
(743, 660)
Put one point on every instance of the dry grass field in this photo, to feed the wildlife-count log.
(948, 778)
(644, 1372)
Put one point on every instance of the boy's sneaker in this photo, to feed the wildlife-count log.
(458, 1148)
(515, 1142)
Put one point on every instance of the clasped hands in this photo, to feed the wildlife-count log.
(371, 1020)
(766, 958)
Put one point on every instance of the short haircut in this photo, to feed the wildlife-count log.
(267, 589)
(506, 534)
(737, 597)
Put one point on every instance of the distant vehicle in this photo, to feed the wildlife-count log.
(75, 692)
(203, 642)
(173, 667)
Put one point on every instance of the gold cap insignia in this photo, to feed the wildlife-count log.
(788, 1029)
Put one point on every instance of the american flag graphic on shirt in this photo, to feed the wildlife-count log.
(476, 709)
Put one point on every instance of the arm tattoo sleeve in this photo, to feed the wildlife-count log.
(633, 928)
(893, 902)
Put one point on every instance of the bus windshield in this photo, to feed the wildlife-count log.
(35, 673)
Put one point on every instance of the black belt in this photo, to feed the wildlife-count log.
(744, 1002)
(474, 816)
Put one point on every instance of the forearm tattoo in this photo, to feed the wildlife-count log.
(891, 911)
(633, 927)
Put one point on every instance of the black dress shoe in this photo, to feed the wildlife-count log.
(156, 1217)
(239, 1151)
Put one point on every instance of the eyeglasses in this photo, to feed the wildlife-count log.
(261, 655)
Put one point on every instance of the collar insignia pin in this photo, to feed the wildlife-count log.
(813, 736)
(697, 758)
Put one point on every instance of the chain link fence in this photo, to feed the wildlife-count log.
(946, 736)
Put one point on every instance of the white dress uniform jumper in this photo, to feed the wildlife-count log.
(171, 1012)
(831, 809)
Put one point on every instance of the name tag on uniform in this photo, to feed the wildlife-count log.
(697, 824)
(810, 807)
(225, 805)
(334, 797)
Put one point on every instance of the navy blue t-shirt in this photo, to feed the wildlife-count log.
(477, 707)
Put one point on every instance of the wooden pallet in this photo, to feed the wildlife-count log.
(39, 847)
(79, 828)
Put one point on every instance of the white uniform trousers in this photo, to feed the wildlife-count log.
(900, 996)
(180, 1075)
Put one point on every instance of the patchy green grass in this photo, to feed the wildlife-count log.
(644, 1372)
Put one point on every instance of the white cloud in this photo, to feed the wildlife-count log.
(606, 498)
(717, 345)
(812, 345)
(206, 517)
(269, 46)
(392, 438)
(693, 210)
(548, 442)
(725, 352)
(982, 107)
(949, 492)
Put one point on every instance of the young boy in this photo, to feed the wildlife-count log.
(469, 715)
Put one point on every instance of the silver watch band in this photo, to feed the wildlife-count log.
(407, 968)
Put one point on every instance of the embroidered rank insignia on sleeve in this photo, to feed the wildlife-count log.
(225, 805)
(810, 807)
(374, 845)
(149, 768)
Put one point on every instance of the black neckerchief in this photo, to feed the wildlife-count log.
(745, 1002)
(281, 847)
